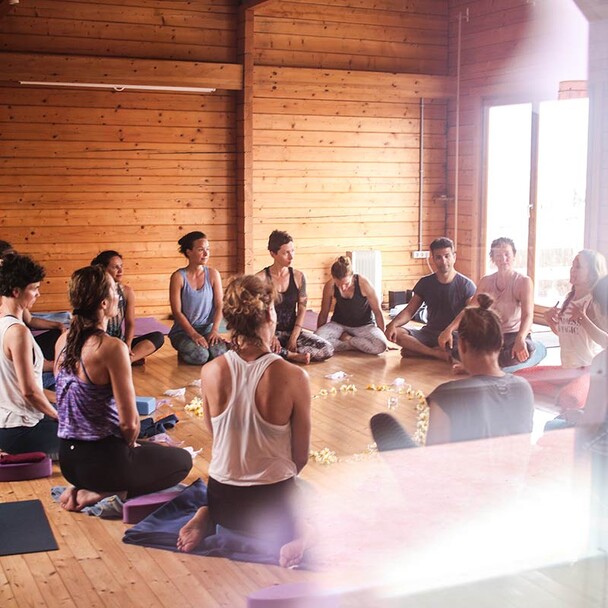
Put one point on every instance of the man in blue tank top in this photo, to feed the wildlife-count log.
(445, 293)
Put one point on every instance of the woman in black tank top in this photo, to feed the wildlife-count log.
(291, 342)
(357, 322)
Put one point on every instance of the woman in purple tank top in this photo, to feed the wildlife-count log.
(98, 420)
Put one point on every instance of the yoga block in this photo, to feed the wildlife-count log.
(26, 470)
(138, 508)
(145, 405)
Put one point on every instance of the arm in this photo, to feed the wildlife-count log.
(218, 296)
(301, 420)
(38, 323)
(325, 303)
(526, 298)
(175, 299)
(292, 345)
(116, 357)
(403, 317)
(129, 316)
(445, 338)
(440, 429)
(370, 293)
(587, 317)
(18, 342)
(551, 317)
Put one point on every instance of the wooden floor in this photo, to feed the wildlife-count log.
(94, 568)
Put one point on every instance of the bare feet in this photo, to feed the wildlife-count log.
(291, 554)
(73, 499)
(299, 358)
(67, 500)
(191, 535)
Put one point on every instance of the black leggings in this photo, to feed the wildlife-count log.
(46, 341)
(110, 465)
(264, 511)
(41, 437)
(156, 337)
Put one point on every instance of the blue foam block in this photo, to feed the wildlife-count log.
(145, 405)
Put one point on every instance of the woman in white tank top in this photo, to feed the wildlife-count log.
(258, 411)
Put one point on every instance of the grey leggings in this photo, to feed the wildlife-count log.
(367, 338)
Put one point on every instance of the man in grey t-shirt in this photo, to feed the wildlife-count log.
(445, 293)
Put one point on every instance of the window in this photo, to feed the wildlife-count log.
(535, 188)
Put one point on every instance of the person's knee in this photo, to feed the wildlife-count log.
(157, 339)
(217, 350)
(194, 355)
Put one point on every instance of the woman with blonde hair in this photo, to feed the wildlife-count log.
(357, 322)
(578, 325)
(257, 408)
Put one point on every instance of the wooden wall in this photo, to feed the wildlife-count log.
(511, 50)
(323, 143)
(336, 143)
(84, 170)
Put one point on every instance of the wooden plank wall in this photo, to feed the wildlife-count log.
(512, 50)
(84, 170)
(336, 154)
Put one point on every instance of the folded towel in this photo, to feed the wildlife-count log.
(160, 530)
(26, 457)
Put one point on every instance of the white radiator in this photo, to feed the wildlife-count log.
(369, 264)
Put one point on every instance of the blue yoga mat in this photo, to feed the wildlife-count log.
(24, 528)
(540, 352)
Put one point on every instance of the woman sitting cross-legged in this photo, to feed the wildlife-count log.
(98, 419)
(257, 408)
(28, 421)
(352, 325)
(489, 403)
(581, 336)
(123, 324)
(195, 294)
(292, 342)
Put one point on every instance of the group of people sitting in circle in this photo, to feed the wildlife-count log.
(258, 406)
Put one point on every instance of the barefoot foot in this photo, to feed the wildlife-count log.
(299, 358)
(67, 500)
(291, 554)
(191, 535)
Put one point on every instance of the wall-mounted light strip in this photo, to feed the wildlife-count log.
(116, 87)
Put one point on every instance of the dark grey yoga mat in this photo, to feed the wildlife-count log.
(24, 528)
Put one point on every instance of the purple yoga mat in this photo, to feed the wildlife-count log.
(145, 325)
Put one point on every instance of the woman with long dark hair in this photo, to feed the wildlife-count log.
(123, 324)
(98, 420)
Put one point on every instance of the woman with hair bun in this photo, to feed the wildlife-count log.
(257, 408)
(352, 325)
(28, 421)
(195, 293)
(98, 420)
(123, 324)
(489, 403)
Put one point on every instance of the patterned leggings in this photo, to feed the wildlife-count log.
(367, 338)
(318, 348)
